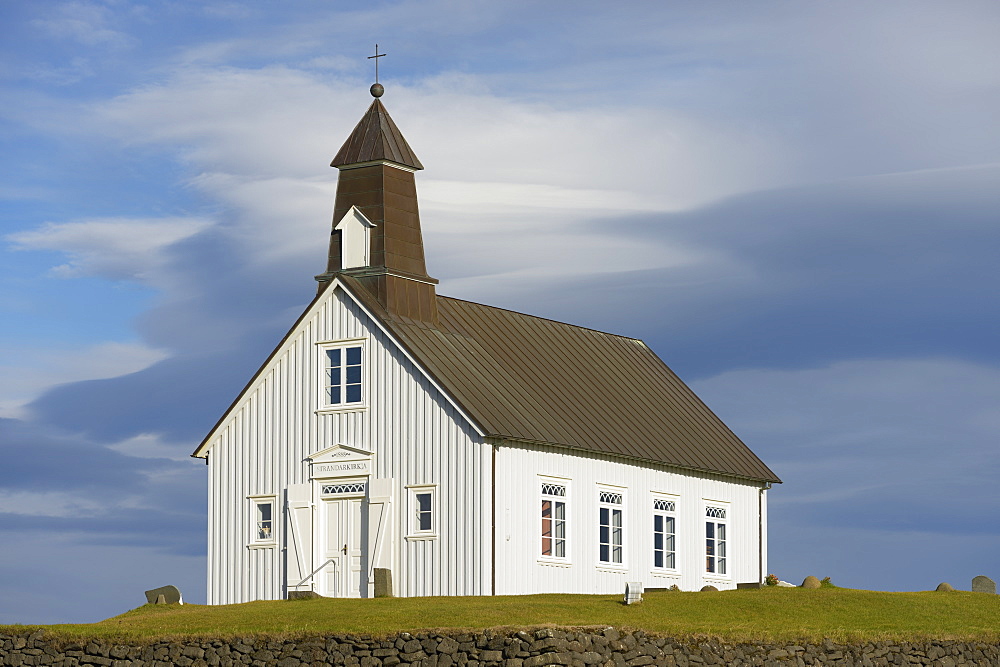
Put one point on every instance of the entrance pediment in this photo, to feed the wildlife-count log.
(340, 461)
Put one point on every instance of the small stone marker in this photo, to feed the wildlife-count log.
(811, 582)
(983, 584)
(785, 584)
(383, 582)
(944, 587)
(633, 592)
(709, 587)
(169, 594)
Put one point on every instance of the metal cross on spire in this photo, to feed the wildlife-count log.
(377, 90)
(376, 57)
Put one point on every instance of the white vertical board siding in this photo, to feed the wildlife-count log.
(521, 571)
(416, 435)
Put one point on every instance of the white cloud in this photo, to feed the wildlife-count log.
(115, 248)
(84, 22)
(37, 370)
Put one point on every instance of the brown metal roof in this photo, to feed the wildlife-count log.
(376, 137)
(527, 378)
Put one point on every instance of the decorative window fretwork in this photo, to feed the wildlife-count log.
(553, 490)
(333, 489)
(715, 512)
(611, 498)
(663, 505)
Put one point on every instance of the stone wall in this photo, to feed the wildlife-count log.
(535, 648)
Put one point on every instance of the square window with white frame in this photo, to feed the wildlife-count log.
(716, 540)
(664, 533)
(611, 515)
(554, 498)
(422, 510)
(343, 375)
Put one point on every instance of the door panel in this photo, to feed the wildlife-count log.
(343, 572)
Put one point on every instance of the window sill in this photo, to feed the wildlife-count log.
(332, 409)
(717, 577)
(614, 568)
(554, 563)
(673, 574)
(420, 537)
(262, 545)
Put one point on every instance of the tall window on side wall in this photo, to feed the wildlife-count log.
(343, 375)
(664, 534)
(612, 528)
(716, 560)
(262, 520)
(554, 498)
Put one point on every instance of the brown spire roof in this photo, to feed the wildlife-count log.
(376, 137)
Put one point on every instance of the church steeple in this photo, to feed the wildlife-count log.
(376, 236)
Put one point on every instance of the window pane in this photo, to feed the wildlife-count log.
(335, 394)
(546, 546)
(334, 357)
(722, 531)
(354, 393)
(560, 529)
(710, 547)
(668, 543)
(657, 559)
(722, 566)
(334, 377)
(709, 530)
(561, 548)
(424, 502)
(616, 554)
(605, 534)
(605, 553)
(604, 516)
(560, 510)
(668, 524)
(658, 541)
(721, 548)
(657, 523)
(264, 510)
(670, 560)
(354, 375)
(353, 356)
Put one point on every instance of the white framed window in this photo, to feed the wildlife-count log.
(664, 533)
(716, 539)
(343, 383)
(422, 508)
(554, 519)
(611, 527)
(262, 518)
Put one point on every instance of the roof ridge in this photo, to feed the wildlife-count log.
(539, 317)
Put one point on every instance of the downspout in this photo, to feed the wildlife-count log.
(760, 530)
(493, 520)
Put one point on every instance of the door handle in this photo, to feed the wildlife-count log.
(345, 548)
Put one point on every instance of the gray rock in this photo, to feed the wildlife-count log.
(944, 587)
(303, 595)
(383, 582)
(170, 595)
(983, 584)
(811, 582)
(709, 587)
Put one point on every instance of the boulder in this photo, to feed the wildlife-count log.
(944, 587)
(811, 582)
(170, 595)
(983, 584)
(709, 587)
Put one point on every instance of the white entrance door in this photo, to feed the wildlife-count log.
(342, 573)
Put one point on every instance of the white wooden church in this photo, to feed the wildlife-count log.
(402, 442)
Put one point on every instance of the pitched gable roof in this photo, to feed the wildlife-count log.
(536, 380)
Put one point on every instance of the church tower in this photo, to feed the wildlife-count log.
(376, 237)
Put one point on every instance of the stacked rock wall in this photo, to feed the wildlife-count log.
(537, 648)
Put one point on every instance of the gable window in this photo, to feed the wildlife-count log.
(422, 508)
(716, 561)
(664, 534)
(612, 530)
(553, 520)
(262, 520)
(343, 375)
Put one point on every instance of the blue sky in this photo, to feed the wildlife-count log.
(795, 204)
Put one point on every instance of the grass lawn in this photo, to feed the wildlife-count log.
(766, 614)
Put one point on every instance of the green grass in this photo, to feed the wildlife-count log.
(769, 614)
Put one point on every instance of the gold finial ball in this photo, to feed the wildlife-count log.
(377, 90)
